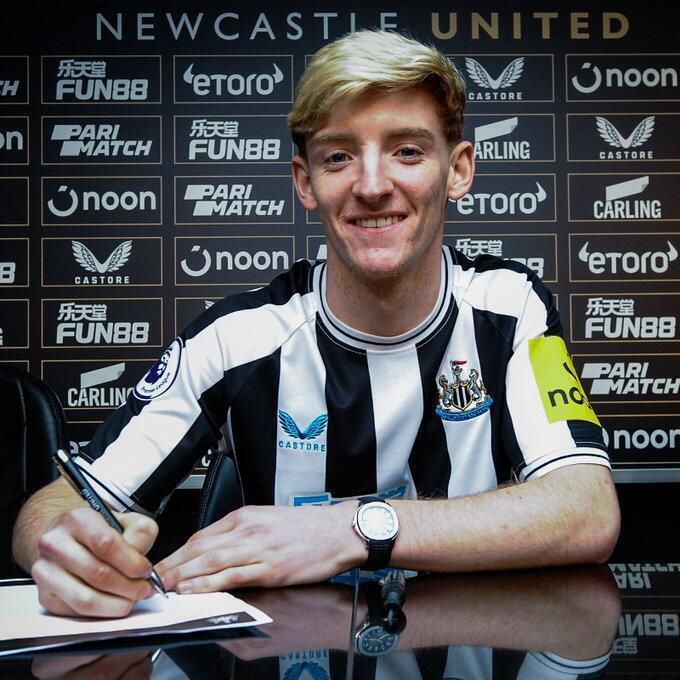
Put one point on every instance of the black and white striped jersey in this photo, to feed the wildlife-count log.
(481, 390)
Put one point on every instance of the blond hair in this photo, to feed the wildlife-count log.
(374, 60)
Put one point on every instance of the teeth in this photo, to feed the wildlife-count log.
(380, 222)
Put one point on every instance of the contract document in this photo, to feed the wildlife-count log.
(25, 625)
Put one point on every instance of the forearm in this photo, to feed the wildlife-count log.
(40, 514)
(566, 517)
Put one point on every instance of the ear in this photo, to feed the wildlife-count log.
(461, 171)
(303, 183)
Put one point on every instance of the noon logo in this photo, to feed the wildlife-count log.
(301, 440)
(560, 390)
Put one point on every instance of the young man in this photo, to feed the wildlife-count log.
(397, 367)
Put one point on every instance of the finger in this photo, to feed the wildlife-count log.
(79, 597)
(58, 546)
(140, 531)
(210, 562)
(105, 543)
(54, 604)
(119, 666)
(228, 579)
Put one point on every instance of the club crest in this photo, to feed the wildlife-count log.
(463, 397)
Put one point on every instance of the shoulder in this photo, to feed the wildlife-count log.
(498, 285)
(286, 297)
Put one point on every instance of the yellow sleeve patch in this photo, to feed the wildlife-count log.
(562, 395)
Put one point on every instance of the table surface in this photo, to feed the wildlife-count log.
(617, 621)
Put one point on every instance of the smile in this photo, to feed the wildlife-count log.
(378, 222)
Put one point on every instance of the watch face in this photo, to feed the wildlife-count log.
(375, 640)
(378, 521)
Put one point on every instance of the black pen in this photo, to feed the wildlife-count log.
(72, 473)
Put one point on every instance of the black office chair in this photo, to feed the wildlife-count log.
(32, 428)
(221, 491)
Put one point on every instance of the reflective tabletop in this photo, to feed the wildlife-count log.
(611, 621)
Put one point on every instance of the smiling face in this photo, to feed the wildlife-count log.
(380, 171)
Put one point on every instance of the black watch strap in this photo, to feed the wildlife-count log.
(379, 552)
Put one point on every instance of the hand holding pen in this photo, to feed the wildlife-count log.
(72, 473)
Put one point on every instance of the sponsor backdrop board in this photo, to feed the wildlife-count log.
(145, 174)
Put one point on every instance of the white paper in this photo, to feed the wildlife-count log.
(24, 619)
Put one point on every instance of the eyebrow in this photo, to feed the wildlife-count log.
(339, 137)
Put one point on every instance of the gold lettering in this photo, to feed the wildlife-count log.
(453, 26)
(478, 21)
(517, 25)
(608, 33)
(545, 18)
(579, 25)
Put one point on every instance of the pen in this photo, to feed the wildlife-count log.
(76, 478)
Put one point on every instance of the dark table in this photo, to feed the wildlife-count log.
(614, 622)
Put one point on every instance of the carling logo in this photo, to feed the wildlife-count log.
(617, 205)
(92, 393)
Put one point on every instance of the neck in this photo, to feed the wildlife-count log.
(385, 307)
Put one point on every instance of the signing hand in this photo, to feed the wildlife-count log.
(266, 546)
(86, 568)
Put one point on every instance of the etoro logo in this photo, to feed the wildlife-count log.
(501, 203)
(561, 393)
(640, 134)
(629, 262)
(233, 84)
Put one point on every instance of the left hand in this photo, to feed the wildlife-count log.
(266, 546)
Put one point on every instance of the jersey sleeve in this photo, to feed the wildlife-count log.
(145, 449)
(547, 413)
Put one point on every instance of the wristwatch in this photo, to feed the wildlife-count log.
(377, 524)
(372, 638)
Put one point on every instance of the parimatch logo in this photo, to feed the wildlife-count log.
(101, 80)
(101, 200)
(648, 378)
(233, 200)
(13, 80)
(102, 261)
(228, 78)
(102, 139)
(508, 78)
(232, 139)
(102, 322)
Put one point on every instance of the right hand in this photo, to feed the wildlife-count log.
(86, 568)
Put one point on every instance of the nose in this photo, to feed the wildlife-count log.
(373, 181)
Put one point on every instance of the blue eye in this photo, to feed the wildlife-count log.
(336, 158)
(409, 152)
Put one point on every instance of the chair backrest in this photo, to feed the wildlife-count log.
(221, 490)
(32, 428)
